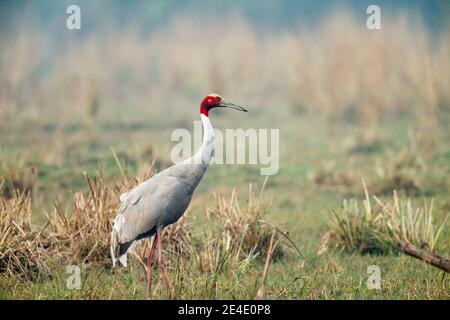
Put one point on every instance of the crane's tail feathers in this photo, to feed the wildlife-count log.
(123, 250)
(119, 250)
(123, 260)
(114, 246)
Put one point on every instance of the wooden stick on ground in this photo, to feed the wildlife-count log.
(433, 259)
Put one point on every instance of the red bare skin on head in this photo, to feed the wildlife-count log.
(208, 103)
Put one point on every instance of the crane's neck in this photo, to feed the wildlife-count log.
(206, 152)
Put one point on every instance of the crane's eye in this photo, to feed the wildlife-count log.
(209, 101)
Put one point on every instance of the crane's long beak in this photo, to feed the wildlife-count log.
(227, 104)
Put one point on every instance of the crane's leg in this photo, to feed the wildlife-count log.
(161, 259)
(150, 266)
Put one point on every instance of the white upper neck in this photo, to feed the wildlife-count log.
(206, 152)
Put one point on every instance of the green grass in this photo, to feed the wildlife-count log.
(338, 276)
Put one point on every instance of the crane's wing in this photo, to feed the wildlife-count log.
(157, 202)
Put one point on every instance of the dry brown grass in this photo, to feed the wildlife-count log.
(85, 233)
(22, 248)
(379, 226)
(237, 234)
(83, 230)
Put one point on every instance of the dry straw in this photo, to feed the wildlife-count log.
(22, 248)
(383, 227)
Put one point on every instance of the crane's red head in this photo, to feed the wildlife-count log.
(213, 100)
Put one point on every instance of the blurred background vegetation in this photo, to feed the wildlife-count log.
(302, 51)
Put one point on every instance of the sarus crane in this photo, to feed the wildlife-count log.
(163, 199)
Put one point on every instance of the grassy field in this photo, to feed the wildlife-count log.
(366, 113)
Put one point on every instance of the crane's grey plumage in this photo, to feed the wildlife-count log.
(162, 199)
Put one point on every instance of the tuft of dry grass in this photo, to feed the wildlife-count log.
(86, 232)
(22, 249)
(380, 226)
(404, 223)
(239, 234)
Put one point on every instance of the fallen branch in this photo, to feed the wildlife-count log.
(433, 259)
